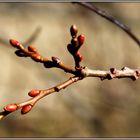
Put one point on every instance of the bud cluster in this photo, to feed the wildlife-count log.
(22, 52)
(76, 43)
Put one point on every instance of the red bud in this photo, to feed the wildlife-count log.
(73, 30)
(71, 49)
(20, 53)
(25, 109)
(74, 42)
(36, 57)
(10, 107)
(33, 93)
(14, 43)
(32, 49)
(49, 64)
(78, 56)
(81, 39)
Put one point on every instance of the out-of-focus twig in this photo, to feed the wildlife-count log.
(30, 40)
(112, 19)
(32, 37)
(4, 42)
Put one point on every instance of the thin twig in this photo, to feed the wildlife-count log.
(111, 19)
(34, 55)
(42, 93)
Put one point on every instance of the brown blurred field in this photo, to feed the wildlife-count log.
(89, 108)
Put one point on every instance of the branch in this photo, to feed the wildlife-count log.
(110, 18)
(79, 72)
(73, 48)
(26, 106)
(125, 72)
(35, 56)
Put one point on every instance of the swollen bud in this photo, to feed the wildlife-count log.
(81, 39)
(14, 43)
(71, 49)
(78, 57)
(34, 93)
(36, 57)
(48, 64)
(10, 107)
(25, 109)
(20, 53)
(73, 30)
(32, 49)
(74, 42)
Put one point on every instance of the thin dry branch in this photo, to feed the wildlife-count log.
(125, 72)
(110, 18)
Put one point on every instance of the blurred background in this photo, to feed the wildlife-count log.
(88, 108)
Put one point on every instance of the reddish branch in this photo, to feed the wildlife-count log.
(26, 106)
(79, 72)
(112, 19)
